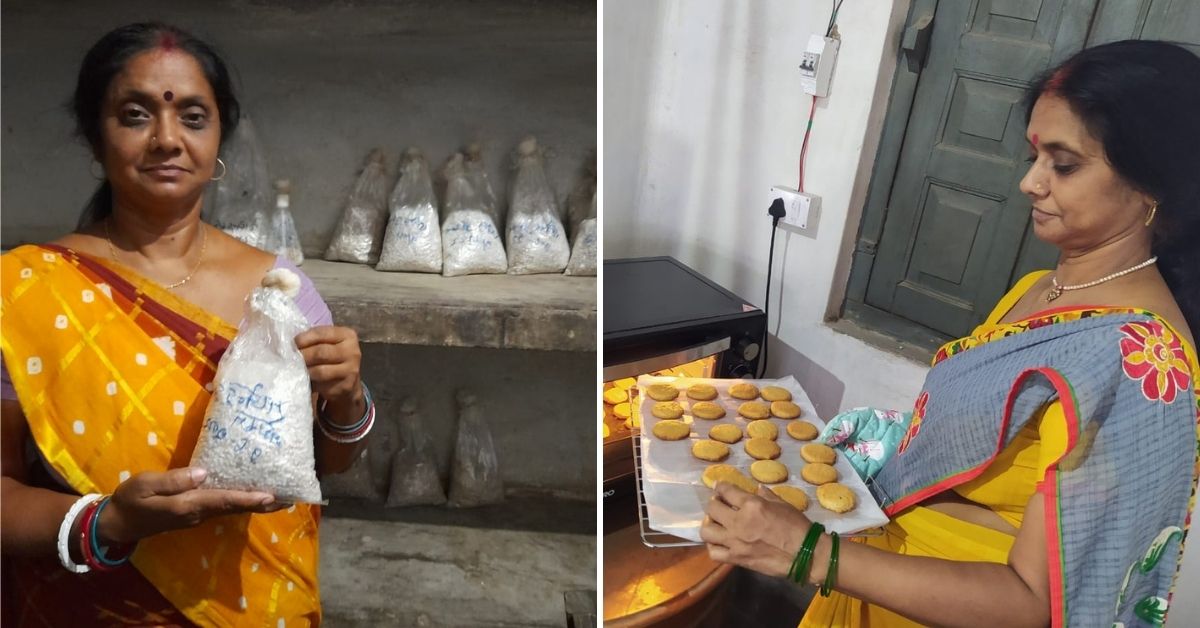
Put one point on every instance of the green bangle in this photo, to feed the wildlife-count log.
(804, 556)
(831, 573)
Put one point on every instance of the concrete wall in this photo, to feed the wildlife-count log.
(723, 121)
(539, 405)
(324, 82)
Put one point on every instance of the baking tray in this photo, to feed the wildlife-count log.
(671, 495)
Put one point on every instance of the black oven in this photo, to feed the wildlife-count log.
(661, 317)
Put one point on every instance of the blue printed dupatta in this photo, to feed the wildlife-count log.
(1118, 503)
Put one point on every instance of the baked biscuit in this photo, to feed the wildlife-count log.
(836, 498)
(662, 392)
(802, 430)
(726, 433)
(727, 473)
(818, 473)
(615, 395)
(743, 391)
(710, 450)
(672, 430)
(707, 410)
(667, 410)
(762, 429)
(793, 496)
(625, 383)
(768, 471)
(607, 430)
(702, 392)
(762, 448)
(775, 393)
(785, 409)
(815, 452)
(754, 410)
(632, 422)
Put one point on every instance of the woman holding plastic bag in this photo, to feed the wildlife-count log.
(111, 340)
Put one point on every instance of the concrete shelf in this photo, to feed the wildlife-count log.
(550, 312)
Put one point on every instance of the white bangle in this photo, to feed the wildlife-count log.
(64, 533)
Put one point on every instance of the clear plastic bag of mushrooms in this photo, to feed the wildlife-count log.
(258, 429)
(281, 237)
(470, 241)
(536, 240)
(242, 199)
(581, 216)
(358, 237)
(413, 240)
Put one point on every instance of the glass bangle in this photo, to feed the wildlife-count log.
(806, 552)
(831, 573)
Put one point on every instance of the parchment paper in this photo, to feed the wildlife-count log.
(675, 495)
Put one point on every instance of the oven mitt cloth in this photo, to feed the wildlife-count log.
(868, 436)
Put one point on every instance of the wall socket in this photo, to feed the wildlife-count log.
(802, 209)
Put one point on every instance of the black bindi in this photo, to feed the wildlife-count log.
(168, 96)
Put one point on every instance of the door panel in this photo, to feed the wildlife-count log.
(955, 221)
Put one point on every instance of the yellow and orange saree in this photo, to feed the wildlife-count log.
(111, 371)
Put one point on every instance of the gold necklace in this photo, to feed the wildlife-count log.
(112, 250)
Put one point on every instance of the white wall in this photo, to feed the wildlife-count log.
(723, 120)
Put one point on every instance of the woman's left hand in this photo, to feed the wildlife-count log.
(333, 358)
(756, 531)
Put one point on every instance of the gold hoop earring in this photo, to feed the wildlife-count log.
(223, 170)
(92, 171)
(1150, 214)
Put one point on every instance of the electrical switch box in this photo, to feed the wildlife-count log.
(816, 65)
(801, 209)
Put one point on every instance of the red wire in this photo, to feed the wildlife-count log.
(812, 110)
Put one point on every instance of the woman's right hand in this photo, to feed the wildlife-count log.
(153, 502)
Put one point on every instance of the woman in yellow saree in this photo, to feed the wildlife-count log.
(1048, 473)
(111, 337)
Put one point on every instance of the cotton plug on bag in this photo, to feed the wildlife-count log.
(257, 433)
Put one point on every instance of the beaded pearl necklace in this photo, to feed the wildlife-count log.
(1058, 289)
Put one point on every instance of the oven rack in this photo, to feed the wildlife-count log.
(650, 536)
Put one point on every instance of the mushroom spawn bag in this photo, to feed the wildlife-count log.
(243, 196)
(413, 240)
(415, 479)
(282, 238)
(536, 240)
(470, 242)
(475, 473)
(583, 248)
(359, 236)
(258, 428)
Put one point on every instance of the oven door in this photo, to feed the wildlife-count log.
(703, 350)
(620, 486)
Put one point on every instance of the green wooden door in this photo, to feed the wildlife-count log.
(946, 231)
(955, 221)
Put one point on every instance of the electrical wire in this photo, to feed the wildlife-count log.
(812, 111)
(762, 366)
(837, 6)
